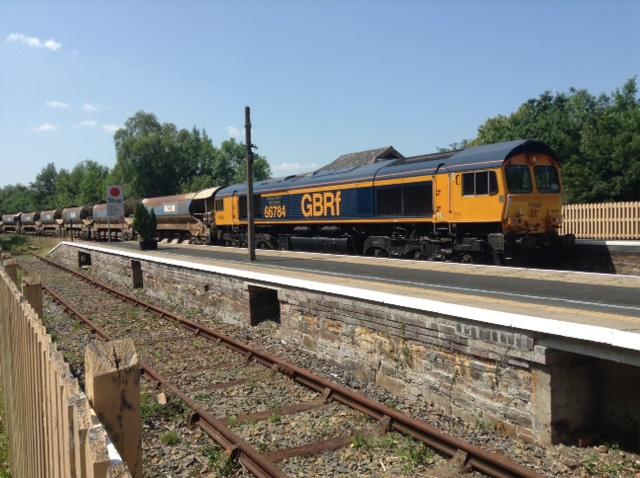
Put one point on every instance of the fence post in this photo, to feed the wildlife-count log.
(32, 291)
(11, 268)
(113, 389)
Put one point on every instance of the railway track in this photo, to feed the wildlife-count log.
(217, 377)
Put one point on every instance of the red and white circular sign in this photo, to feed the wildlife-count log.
(115, 192)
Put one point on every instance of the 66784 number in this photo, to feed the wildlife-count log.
(273, 212)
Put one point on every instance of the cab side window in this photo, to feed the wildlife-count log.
(480, 184)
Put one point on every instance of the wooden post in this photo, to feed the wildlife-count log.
(113, 389)
(11, 268)
(32, 291)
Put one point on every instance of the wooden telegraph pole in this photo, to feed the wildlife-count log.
(250, 219)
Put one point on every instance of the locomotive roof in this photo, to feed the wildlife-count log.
(487, 156)
(504, 151)
(364, 166)
(362, 158)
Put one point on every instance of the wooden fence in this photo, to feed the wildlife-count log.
(613, 221)
(52, 429)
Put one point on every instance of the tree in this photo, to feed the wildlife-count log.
(17, 198)
(44, 187)
(597, 137)
(93, 182)
(156, 159)
(143, 157)
(200, 157)
(145, 222)
(607, 167)
(230, 166)
(66, 189)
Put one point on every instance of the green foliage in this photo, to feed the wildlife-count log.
(17, 198)
(274, 418)
(14, 243)
(85, 184)
(44, 187)
(144, 222)
(597, 137)
(222, 463)
(150, 408)
(155, 159)
(5, 469)
(170, 438)
(414, 454)
(593, 466)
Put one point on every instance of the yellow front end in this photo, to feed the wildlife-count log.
(534, 196)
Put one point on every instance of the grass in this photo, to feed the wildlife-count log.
(413, 454)
(173, 410)
(14, 243)
(220, 461)
(18, 244)
(5, 469)
(170, 438)
(593, 466)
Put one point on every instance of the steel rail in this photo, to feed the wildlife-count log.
(491, 464)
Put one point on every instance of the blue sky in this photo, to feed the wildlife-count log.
(322, 78)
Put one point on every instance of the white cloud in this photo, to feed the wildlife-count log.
(86, 124)
(34, 42)
(233, 131)
(287, 169)
(110, 128)
(47, 128)
(57, 104)
(90, 108)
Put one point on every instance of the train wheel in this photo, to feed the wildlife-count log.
(415, 255)
(378, 252)
(466, 259)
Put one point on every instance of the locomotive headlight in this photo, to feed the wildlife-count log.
(513, 221)
(555, 220)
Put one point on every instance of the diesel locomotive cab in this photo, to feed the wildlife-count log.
(533, 214)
